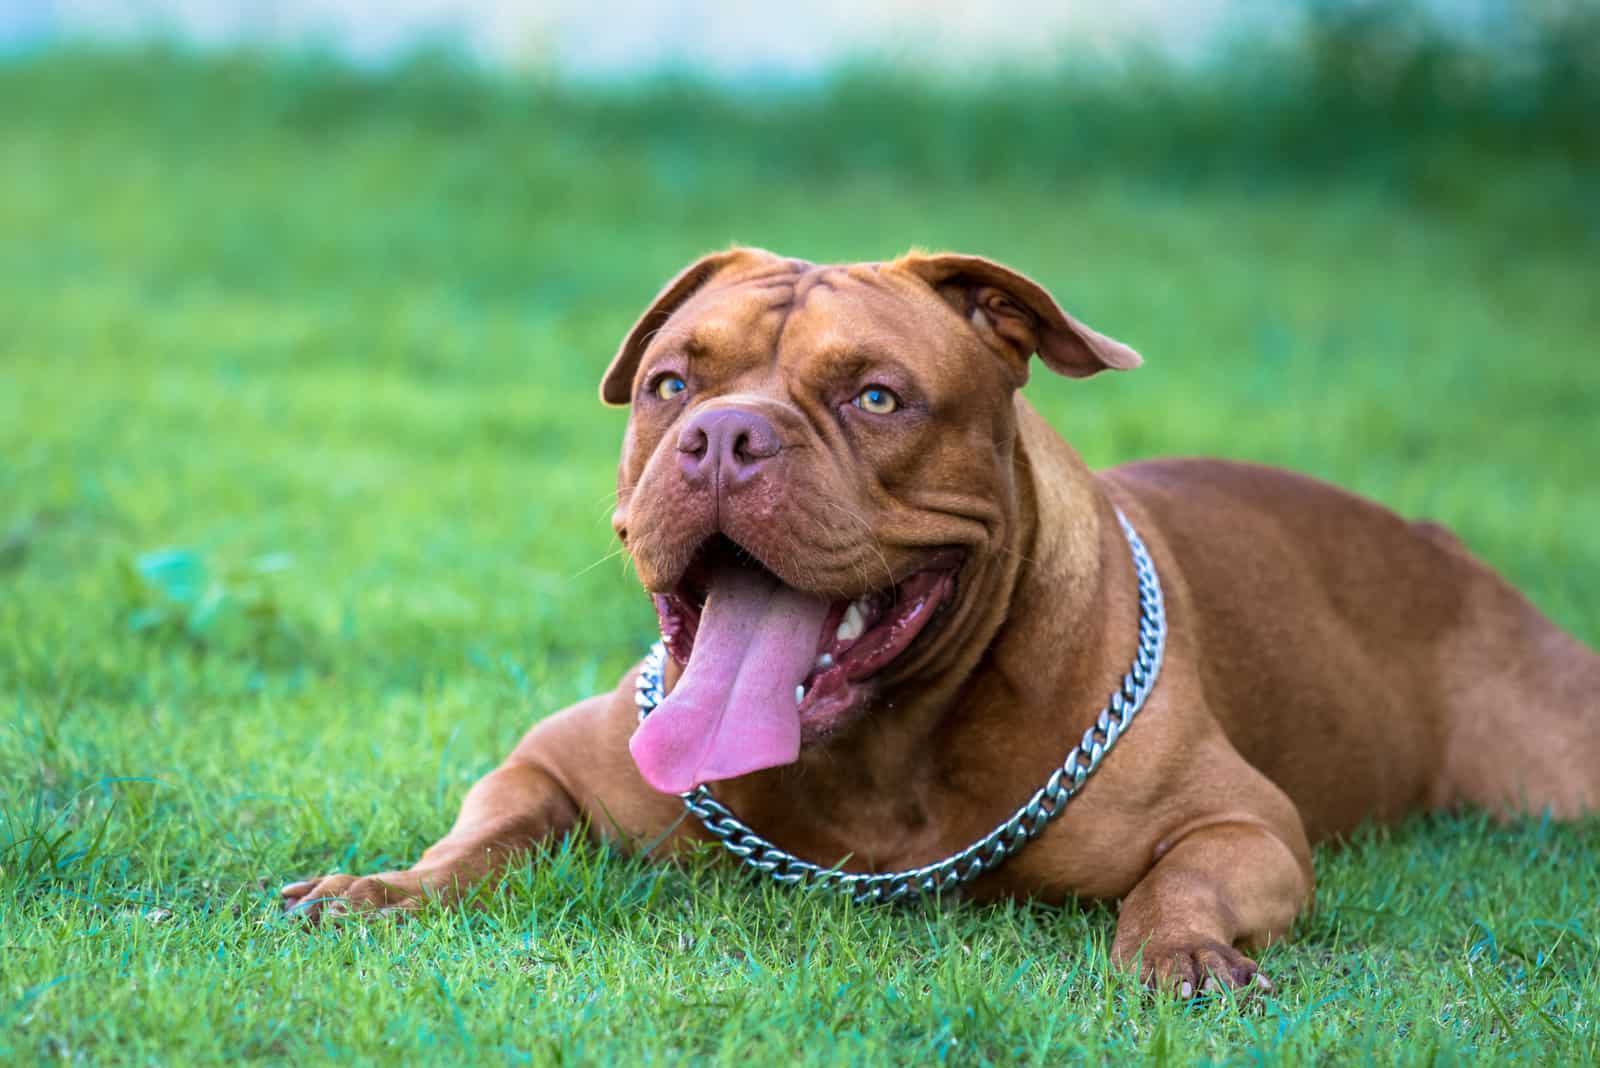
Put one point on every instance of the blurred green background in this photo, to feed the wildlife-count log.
(304, 498)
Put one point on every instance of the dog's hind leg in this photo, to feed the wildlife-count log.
(1523, 733)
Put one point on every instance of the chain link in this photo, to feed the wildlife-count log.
(988, 852)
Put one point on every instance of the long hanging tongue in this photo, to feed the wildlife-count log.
(733, 710)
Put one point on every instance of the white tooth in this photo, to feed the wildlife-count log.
(799, 693)
(825, 661)
(851, 626)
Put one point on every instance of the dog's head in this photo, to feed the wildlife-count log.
(816, 484)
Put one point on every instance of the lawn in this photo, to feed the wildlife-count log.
(304, 498)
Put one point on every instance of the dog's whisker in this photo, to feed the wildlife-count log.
(612, 555)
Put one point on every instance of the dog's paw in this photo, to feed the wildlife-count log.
(1187, 967)
(335, 895)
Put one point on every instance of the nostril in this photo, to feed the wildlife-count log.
(692, 441)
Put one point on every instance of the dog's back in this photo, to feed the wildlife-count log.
(1367, 664)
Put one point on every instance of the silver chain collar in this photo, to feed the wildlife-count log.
(988, 852)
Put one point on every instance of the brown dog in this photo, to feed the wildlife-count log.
(838, 498)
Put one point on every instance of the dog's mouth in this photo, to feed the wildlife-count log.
(766, 665)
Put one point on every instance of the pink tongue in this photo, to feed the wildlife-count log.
(733, 711)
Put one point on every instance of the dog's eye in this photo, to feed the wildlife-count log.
(669, 386)
(877, 400)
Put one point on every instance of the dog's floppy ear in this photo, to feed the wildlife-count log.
(1015, 311)
(616, 387)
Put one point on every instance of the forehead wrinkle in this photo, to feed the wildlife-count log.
(815, 279)
(809, 281)
(725, 308)
(781, 274)
(732, 327)
(784, 286)
(852, 297)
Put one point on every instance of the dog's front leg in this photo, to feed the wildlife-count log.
(507, 813)
(1216, 886)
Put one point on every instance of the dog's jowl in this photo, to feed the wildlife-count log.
(898, 615)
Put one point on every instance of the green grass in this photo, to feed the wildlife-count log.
(303, 519)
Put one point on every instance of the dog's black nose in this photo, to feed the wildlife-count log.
(726, 445)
